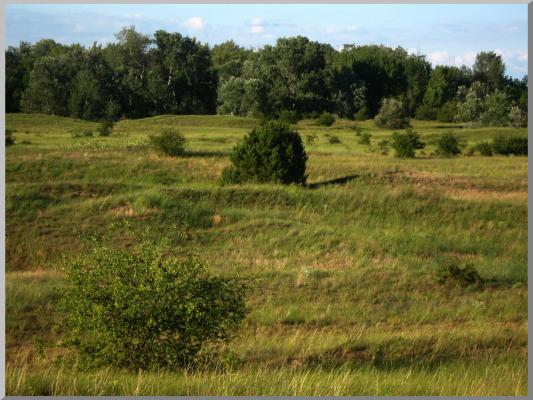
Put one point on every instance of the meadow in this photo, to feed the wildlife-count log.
(344, 295)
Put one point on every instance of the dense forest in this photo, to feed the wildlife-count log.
(139, 76)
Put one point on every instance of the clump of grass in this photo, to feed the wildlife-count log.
(311, 139)
(465, 275)
(364, 138)
(106, 128)
(332, 139)
(326, 119)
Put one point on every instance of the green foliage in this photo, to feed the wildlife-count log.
(325, 119)
(271, 153)
(332, 139)
(497, 109)
(465, 275)
(405, 144)
(392, 115)
(517, 117)
(484, 148)
(447, 112)
(288, 116)
(169, 142)
(448, 144)
(146, 309)
(362, 114)
(383, 146)
(425, 112)
(105, 128)
(9, 137)
(311, 139)
(510, 145)
(364, 138)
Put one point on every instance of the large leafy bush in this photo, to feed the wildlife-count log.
(169, 142)
(273, 152)
(146, 309)
(392, 115)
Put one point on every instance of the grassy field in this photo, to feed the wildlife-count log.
(344, 296)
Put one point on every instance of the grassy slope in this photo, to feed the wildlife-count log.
(344, 299)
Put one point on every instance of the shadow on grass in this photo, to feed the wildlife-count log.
(337, 181)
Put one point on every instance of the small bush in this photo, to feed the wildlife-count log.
(392, 115)
(332, 139)
(288, 116)
(364, 138)
(448, 144)
(447, 112)
(9, 137)
(105, 128)
(148, 310)
(326, 119)
(271, 153)
(87, 133)
(362, 114)
(383, 146)
(425, 112)
(406, 143)
(507, 145)
(311, 139)
(169, 142)
(465, 275)
(484, 148)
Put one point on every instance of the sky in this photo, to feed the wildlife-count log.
(445, 33)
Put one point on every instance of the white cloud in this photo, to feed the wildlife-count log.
(256, 26)
(439, 57)
(195, 23)
(465, 59)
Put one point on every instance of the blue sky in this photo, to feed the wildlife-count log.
(445, 33)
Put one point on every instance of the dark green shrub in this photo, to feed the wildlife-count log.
(9, 137)
(425, 112)
(362, 114)
(392, 115)
(383, 146)
(105, 128)
(311, 139)
(326, 119)
(364, 138)
(332, 139)
(447, 112)
(87, 133)
(484, 148)
(146, 309)
(507, 145)
(288, 116)
(169, 142)
(271, 153)
(465, 275)
(406, 143)
(448, 144)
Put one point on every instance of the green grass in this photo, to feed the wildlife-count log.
(344, 296)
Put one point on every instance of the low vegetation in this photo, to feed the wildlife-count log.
(169, 142)
(379, 276)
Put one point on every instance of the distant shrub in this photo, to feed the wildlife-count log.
(84, 133)
(271, 153)
(311, 139)
(383, 146)
(169, 142)
(447, 112)
(484, 148)
(332, 139)
(288, 116)
(364, 138)
(465, 275)
(507, 145)
(425, 112)
(392, 115)
(362, 114)
(9, 137)
(326, 119)
(105, 128)
(517, 117)
(405, 144)
(87, 133)
(448, 144)
(146, 309)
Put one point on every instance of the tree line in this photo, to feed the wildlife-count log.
(167, 73)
